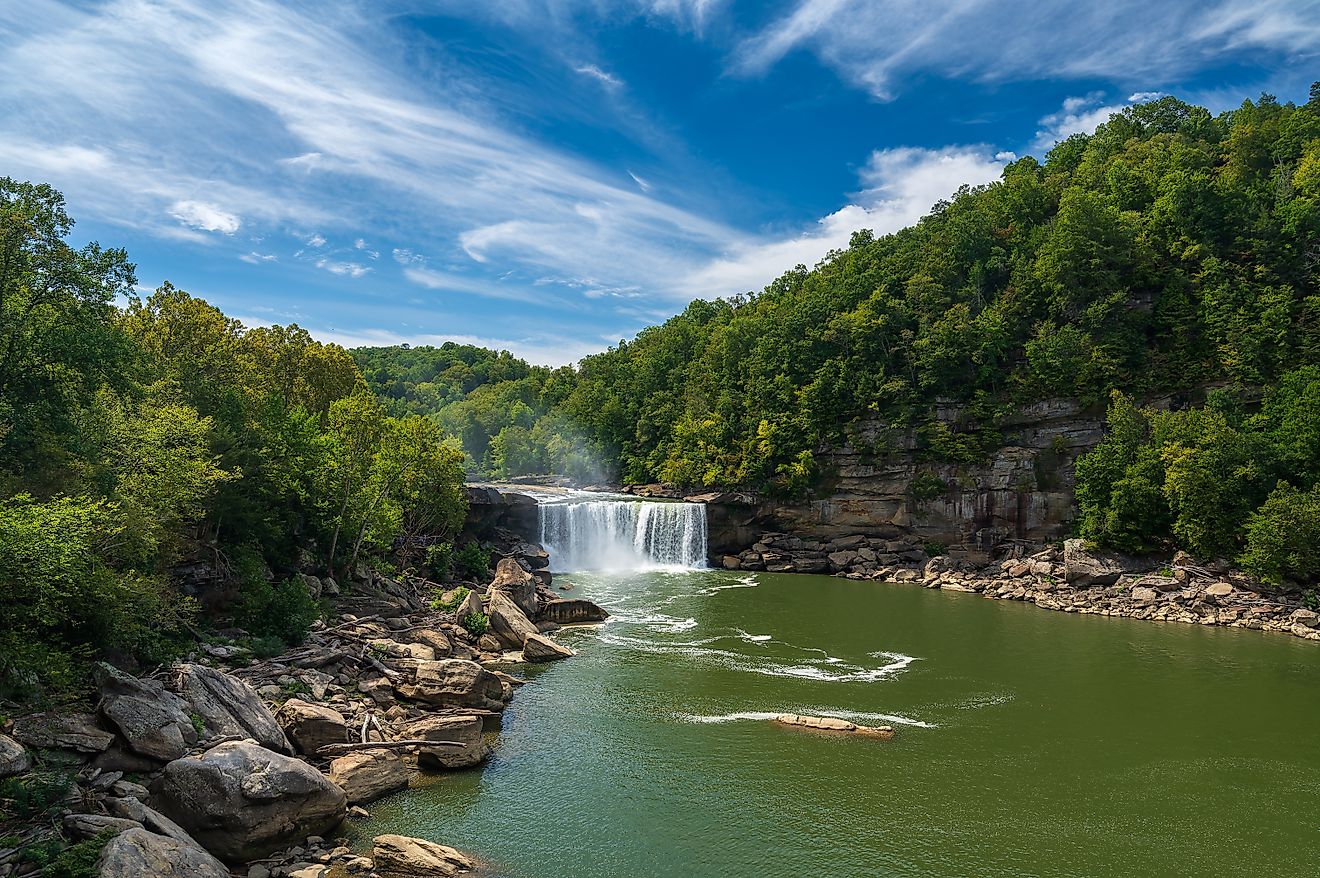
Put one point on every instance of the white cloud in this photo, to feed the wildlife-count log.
(315, 240)
(206, 217)
(641, 184)
(899, 187)
(258, 258)
(874, 44)
(1082, 115)
(458, 283)
(609, 80)
(349, 269)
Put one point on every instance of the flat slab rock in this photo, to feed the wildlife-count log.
(398, 856)
(833, 724)
(137, 853)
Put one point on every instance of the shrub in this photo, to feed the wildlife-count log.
(78, 860)
(455, 599)
(1283, 536)
(476, 624)
(268, 608)
(440, 559)
(473, 561)
(38, 794)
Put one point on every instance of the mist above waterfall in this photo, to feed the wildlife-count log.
(586, 532)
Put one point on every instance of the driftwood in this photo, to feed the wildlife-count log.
(340, 749)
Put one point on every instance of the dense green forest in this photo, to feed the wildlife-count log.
(1171, 249)
(134, 438)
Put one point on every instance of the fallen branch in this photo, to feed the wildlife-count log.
(337, 749)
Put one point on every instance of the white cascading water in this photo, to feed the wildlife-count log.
(589, 533)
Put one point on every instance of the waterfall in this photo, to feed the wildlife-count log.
(589, 533)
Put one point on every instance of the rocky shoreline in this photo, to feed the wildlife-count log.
(226, 764)
(1066, 578)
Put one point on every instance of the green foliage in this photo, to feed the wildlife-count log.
(476, 624)
(272, 609)
(934, 549)
(78, 860)
(456, 598)
(1283, 536)
(440, 559)
(35, 795)
(472, 561)
(926, 486)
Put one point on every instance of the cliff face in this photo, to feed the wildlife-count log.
(1023, 491)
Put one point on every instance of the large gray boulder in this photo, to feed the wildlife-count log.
(574, 611)
(136, 853)
(228, 706)
(539, 648)
(14, 758)
(1085, 569)
(312, 726)
(154, 722)
(517, 583)
(508, 622)
(453, 683)
(398, 856)
(463, 729)
(78, 732)
(368, 775)
(241, 801)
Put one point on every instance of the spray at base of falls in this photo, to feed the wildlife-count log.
(585, 532)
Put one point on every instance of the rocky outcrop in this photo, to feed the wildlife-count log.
(539, 648)
(462, 729)
(833, 724)
(453, 683)
(131, 807)
(137, 853)
(470, 605)
(575, 611)
(518, 584)
(228, 706)
(153, 722)
(14, 758)
(77, 732)
(241, 801)
(397, 856)
(369, 775)
(854, 553)
(82, 826)
(312, 726)
(1084, 569)
(507, 621)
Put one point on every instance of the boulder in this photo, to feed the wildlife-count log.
(574, 611)
(369, 774)
(470, 605)
(834, 724)
(842, 559)
(1218, 590)
(1144, 594)
(136, 853)
(14, 758)
(154, 722)
(517, 583)
(62, 731)
(454, 683)
(438, 641)
(466, 730)
(507, 620)
(539, 648)
(228, 706)
(1083, 569)
(312, 726)
(397, 856)
(91, 825)
(241, 801)
(132, 808)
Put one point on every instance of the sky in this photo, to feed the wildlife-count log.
(551, 176)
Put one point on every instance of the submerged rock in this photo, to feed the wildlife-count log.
(833, 724)
(398, 856)
(241, 801)
(136, 853)
(575, 611)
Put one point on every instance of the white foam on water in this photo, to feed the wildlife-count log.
(861, 717)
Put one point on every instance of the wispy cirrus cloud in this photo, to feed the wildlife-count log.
(874, 44)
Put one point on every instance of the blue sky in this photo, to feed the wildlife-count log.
(549, 176)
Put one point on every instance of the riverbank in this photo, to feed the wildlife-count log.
(231, 764)
(1066, 578)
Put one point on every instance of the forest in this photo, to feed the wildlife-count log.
(134, 438)
(1171, 249)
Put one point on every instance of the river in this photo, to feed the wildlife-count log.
(1028, 743)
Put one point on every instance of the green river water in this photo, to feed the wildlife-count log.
(1029, 743)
